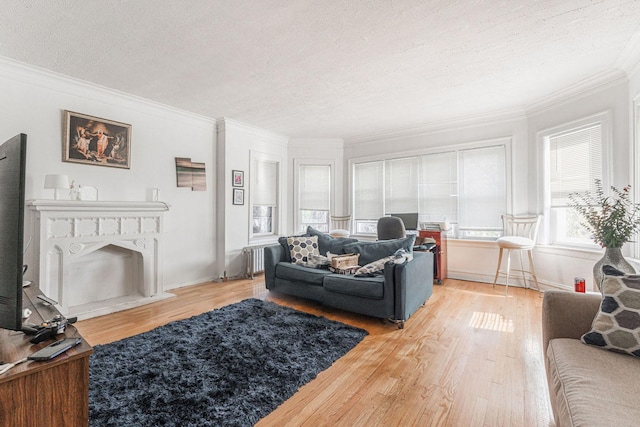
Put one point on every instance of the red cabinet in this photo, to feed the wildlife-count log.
(440, 237)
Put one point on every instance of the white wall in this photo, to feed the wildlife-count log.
(471, 260)
(205, 232)
(559, 266)
(33, 101)
(467, 260)
(237, 140)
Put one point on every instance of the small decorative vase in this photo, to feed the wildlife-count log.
(614, 258)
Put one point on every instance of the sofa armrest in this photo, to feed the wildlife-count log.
(413, 284)
(272, 256)
(567, 315)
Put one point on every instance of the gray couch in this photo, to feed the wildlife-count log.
(588, 386)
(394, 295)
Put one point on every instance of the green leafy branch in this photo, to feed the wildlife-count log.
(612, 221)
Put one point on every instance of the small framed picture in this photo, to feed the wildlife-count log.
(238, 178)
(238, 196)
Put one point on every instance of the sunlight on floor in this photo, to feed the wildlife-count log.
(491, 322)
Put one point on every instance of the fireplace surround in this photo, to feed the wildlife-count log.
(96, 257)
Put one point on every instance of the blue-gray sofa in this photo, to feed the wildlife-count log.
(394, 295)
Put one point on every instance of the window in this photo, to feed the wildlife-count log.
(574, 159)
(368, 196)
(314, 196)
(439, 187)
(482, 192)
(264, 196)
(401, 185)
(467, 187)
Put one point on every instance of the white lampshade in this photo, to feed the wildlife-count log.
(56, 182)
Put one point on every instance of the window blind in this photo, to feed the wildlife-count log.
(438, 187)
(265, 183)
(575, 163)
(483, 188)
(315, 187)
(401, 185)
(368, 197)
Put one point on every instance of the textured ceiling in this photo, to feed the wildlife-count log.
(327, 68)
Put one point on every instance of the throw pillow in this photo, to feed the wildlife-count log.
(374, 267)
(327, 243)
(373, 251)
(616, 327)
(301, 248)
(317, 261)
(285, 245)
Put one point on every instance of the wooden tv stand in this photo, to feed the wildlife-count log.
(51, 393)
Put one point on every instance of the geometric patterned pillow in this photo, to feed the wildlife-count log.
(616, 327)
(374, 267)
(301, 248)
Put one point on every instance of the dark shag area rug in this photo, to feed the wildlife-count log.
(227, 367)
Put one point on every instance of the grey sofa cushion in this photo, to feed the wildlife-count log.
(327, 243)
(591, 387)
(368, 287)
(373, 251)
(299, 273)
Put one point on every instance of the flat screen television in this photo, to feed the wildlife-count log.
(410, 220)
(13, 160)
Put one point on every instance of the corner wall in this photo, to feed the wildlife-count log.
(33, 101)
(237, 140)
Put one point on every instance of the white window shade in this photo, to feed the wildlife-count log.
(575, 163)
(482, 188)
(438, 187)
(401, 185)
(368, 196)
(264, 190)
(315, 187)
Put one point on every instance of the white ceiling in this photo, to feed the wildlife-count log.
(328, 68)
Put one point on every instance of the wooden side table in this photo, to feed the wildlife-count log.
(440, 266)
(51, 393)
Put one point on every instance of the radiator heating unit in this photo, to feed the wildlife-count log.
(254, 256)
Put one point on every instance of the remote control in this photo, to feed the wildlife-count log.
(47, 299)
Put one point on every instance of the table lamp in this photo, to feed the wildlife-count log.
(56, 182)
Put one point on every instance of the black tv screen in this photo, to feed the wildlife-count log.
(13, 159)
(410, 220)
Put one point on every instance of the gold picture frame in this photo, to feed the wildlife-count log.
(96, 141)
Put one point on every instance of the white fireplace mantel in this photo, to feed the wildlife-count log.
(72, 238)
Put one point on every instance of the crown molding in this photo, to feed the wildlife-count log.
(61, 83)
(483, 119)
(226, 123)
(583, 88)
(629, 58)
(337, 143)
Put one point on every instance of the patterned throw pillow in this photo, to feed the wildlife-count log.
(374, 267)
(616, 327)
(301, 248)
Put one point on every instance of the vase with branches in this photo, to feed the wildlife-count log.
(611, 221)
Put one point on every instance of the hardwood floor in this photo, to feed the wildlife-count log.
(470, 357)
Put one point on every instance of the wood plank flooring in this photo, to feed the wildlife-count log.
(470, 357)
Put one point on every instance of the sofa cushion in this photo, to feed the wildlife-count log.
(299, 273)
(591, 387)
(373, 251)
(367, 287)
(301, 248)
(327, 243)
(616, 327)
(374, 267)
